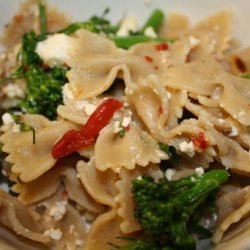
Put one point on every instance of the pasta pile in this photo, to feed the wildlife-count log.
(191, 88)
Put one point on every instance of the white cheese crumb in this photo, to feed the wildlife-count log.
(54, 234)
(13, 90)
(8, 119)
(71, 229)
(117, 170)
(67, 93)
(58, 211)
(117, 127)
(79, 242)
(221, 121)
(149, 31)
(16, 128)
(126, 121)
(170, 173)
(199, 171)
(128, 24)
(169, 95)
(187, 148)
(56, 49)
(234, 132)
(193, 41)
(89, 109)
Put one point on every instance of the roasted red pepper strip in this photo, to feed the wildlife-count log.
(74, 140)
(200, 141)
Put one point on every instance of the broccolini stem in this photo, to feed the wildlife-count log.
(155, 21)
(76, 26)
(126, 42)
(42, 17)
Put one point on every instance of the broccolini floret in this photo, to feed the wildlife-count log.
(167, 210)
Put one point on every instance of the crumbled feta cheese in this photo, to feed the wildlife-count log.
(117, 127)
(79, 242)
(169, 95)
(58, 211)
(12, 90)
(71, 229)
(125, 104)
(8, 119)
(139, 178)
(128, 24)
(16, 128)
(149, 31)
(216, 94)
(117, 170)
(170, 173)
(56, 49)
(54, 234)
(187, 148)
(234, 132)
(199, 171)
(194, 41)
(89, 109)
(221, 121)
(126, 121)
(67, 93)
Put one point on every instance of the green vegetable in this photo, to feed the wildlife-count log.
(122, 132)
(25, 128)
(167, 210)
(170, 151)
(42, 17)
(155, 21)
(126, 42)
(246, 75)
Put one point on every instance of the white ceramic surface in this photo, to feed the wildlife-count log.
(195, 9)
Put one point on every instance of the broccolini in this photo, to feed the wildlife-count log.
(167, 210)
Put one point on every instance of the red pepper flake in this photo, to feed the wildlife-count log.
(148, 59)
(160, 109)
(161, 47)
(74, 140)
(200, 141)
(128, 128)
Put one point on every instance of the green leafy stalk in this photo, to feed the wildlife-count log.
(170, 151)
(126, 42)
(122, 132)
(155, 21)
(43, 17)
(26, 128)
(246, 75)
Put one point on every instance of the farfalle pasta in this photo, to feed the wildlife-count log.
(106, 126)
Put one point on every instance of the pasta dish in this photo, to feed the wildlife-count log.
(120, 136)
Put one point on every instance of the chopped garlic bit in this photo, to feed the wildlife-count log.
(169, 95)
(58, 210)
(139, 178)
(16, 128)
(187, 148)
(54, 234)
(234, 132)
(170, 173)
(221, 121)
(149, 31)
(199, 171)
(194, 41)
(126, 121)
(79, 242)
(128, 24)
